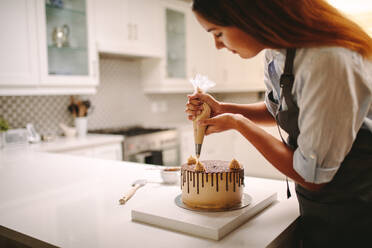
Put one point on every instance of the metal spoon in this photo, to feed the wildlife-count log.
(135, 185)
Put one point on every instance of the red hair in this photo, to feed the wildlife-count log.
(288, 23)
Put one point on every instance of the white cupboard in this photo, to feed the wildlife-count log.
(129, 27)
(35, 60)
(108, 152)
(18, 49)
(192, 51)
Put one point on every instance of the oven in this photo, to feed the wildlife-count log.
(148, 145)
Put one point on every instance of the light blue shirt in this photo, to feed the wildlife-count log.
(333, 90)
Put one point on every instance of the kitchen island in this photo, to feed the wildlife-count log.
(49, 200)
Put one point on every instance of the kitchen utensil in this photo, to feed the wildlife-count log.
(68, 131)
(81, 125)
(60, 36)
(170, 176)
(135, 185)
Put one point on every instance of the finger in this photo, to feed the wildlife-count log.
(195, 102)
(196, 96)
(206, 122)
(211, 130)
(193, 107)
(193, 112)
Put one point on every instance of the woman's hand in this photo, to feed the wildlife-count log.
(221, 123)
(195, 102)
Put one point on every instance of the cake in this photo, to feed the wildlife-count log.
(212, 184)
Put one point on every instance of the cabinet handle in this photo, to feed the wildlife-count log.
(129, 31)
(135, 32)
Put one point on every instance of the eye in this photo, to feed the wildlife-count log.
(218, 35)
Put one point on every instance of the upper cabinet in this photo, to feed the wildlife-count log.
(67, 52)
(190, 50)
(129, 27)
(49, 48)
(18, 43)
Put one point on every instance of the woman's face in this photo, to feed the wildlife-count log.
(232, 38)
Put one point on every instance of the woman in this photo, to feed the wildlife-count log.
(318, 74)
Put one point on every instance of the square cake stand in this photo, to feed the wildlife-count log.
(163, 212)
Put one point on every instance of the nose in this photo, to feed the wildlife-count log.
(218, 44)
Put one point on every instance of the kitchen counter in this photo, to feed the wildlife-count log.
(62, 144)
(60, 200)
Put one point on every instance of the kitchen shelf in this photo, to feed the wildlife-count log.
(68, 49)
(52, 10)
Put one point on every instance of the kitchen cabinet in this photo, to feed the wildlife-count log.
(107, 152)
(18, 49)
(190, 51)
(129, 27)
(49, 49)
(170, 73)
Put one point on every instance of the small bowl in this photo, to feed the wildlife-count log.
(170, 176)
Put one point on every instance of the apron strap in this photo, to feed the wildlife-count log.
(286, 83)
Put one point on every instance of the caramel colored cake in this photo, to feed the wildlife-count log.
(212, 184)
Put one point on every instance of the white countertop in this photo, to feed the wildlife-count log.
(62, 144)
(71, 201)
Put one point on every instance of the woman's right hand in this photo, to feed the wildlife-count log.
(194, 105)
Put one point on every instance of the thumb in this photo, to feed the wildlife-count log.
(207, 122)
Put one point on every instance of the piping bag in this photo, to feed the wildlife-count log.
(201, 85)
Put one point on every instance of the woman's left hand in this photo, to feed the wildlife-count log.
(220, 123)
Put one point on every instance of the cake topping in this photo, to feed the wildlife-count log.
(191, 160)
(234, 165)
(199, 167)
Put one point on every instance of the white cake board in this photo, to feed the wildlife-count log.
(163, 212)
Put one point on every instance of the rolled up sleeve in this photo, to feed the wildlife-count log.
(333, 98)
(308, 169)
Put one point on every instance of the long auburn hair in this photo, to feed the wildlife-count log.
(288, 23)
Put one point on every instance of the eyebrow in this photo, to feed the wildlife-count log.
(211, 29)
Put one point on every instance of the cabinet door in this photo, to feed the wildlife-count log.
(147, 27)
(67, 50)
(199, 48)
(109, 152)
(18, 49)
(113, 27)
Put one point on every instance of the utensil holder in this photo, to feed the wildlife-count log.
(81, 124)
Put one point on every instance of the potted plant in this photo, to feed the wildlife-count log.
(3, 128)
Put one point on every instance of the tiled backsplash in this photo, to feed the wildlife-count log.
(120, 101)
(45, 112)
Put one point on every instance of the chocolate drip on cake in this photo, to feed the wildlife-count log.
(234, 182)
(217, 182)
(227, 181)
(212, 167)
(193, 179)
(202, 180)
(197, 182)
(188, 182)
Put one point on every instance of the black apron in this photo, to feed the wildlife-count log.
(340, 213)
